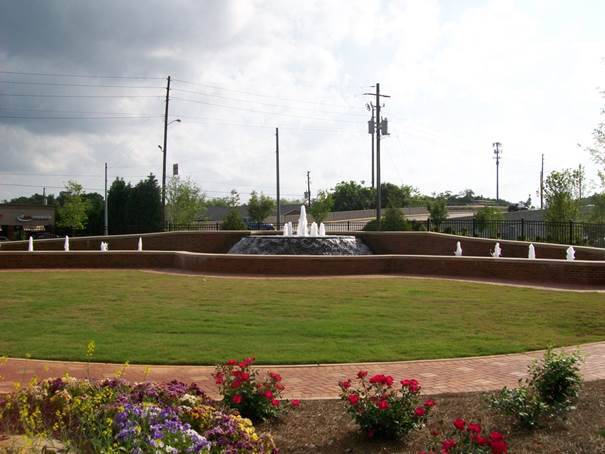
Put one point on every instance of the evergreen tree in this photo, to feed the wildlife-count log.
(117, 199)
(144, 206)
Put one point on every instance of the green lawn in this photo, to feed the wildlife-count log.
(154, 318)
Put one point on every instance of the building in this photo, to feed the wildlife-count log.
(20, 221)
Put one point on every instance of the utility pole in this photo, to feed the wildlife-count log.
(497, 153)
(379, 131)
(372, 129)
(309, 188)
(580, 180)
(277, 174)
(106, 224)
(44, 199)
(164, 157)
(542, 184)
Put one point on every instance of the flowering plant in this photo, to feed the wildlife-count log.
(381, 409)
(467, 438)
(244, 390)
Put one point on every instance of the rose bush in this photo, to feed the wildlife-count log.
(253, 396)
(466, 438)
(382, 409)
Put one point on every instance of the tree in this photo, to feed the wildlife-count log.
(487, 214)
(184, 201)
(437, 210)
(393, 195)
(597, 149)
(233, 221)
(322, 206)
(259, 207)
(95, 213)
(72, 212)
(144, 206)
(353, 196)
(560, 194)
(117, 199)
(394, 220)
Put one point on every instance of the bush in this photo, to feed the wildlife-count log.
(233, 221)
(467, 437)
(392, 221)
(383, 411)
(243, 391)
(552, 389)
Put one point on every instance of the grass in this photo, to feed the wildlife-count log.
(154, 318)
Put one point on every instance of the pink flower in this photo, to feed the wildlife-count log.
(420, 411)
(295, 403)
(237, 399)
(459, 423)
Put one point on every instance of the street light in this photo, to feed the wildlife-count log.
(178, 120)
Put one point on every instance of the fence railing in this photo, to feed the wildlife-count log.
(577, 233)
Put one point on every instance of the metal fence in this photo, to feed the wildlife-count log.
(577, 233)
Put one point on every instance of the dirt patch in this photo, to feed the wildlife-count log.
(324, 427)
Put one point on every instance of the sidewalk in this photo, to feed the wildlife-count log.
(321, 381)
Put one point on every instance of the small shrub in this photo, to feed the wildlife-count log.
(382, 410)
(243, 391)
(467, 437)
(552, 390)
(233, 221)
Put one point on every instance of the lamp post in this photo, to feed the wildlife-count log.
(178, 120)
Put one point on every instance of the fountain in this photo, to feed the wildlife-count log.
(458, 251)
(497, 251)
(570, 254)
(66, 244)
(140, 245)
(30, 246)
(104, 246)
(307, 241)
(532, 252)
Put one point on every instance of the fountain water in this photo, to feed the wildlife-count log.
(140, 245)
(30, 246)
(66, 244)
(497, 251)
(307, 241)
(458, 251)
(104, 246)
(532, 252)
(570, 253)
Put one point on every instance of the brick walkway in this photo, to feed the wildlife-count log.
(321, 381)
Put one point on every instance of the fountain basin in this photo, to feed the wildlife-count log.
(300, 245)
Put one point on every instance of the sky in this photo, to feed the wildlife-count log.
(83, 83)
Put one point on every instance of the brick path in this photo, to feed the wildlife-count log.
(321, 381)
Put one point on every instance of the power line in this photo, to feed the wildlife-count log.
(38, 95)
(133, 117)
(81, 76)
(63, 84)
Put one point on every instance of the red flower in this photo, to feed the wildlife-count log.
(268, 394)
(235, 384)
(353, 399)
(496, 436)
(429, 403)
(279, 386)
(370, 433)
(383, 404)
(411, 384)
(448, 444)
(219, 379)
(420, 411)
(231, 362)
(244, 376)
(498, 446)
(480, 440)
(435, 433)
(362, 374)
(275, 376)
(275, 403)
(345, 384)
(459, 423)
(388, 380)
(237, 399)
(376, 378)
(295, 403)
(473, 427)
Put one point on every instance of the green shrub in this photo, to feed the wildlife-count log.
(551, 390)
(233, 221)
(392, 221)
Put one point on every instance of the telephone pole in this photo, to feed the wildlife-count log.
(542, 184)
(381, 128)
(277, 174)
(309, 188)
(497, 153)
(106, 217)
(164, 157)
(372, 129)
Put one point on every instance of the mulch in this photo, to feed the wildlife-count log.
(323, 426)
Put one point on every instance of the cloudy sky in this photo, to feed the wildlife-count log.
(83, 83)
